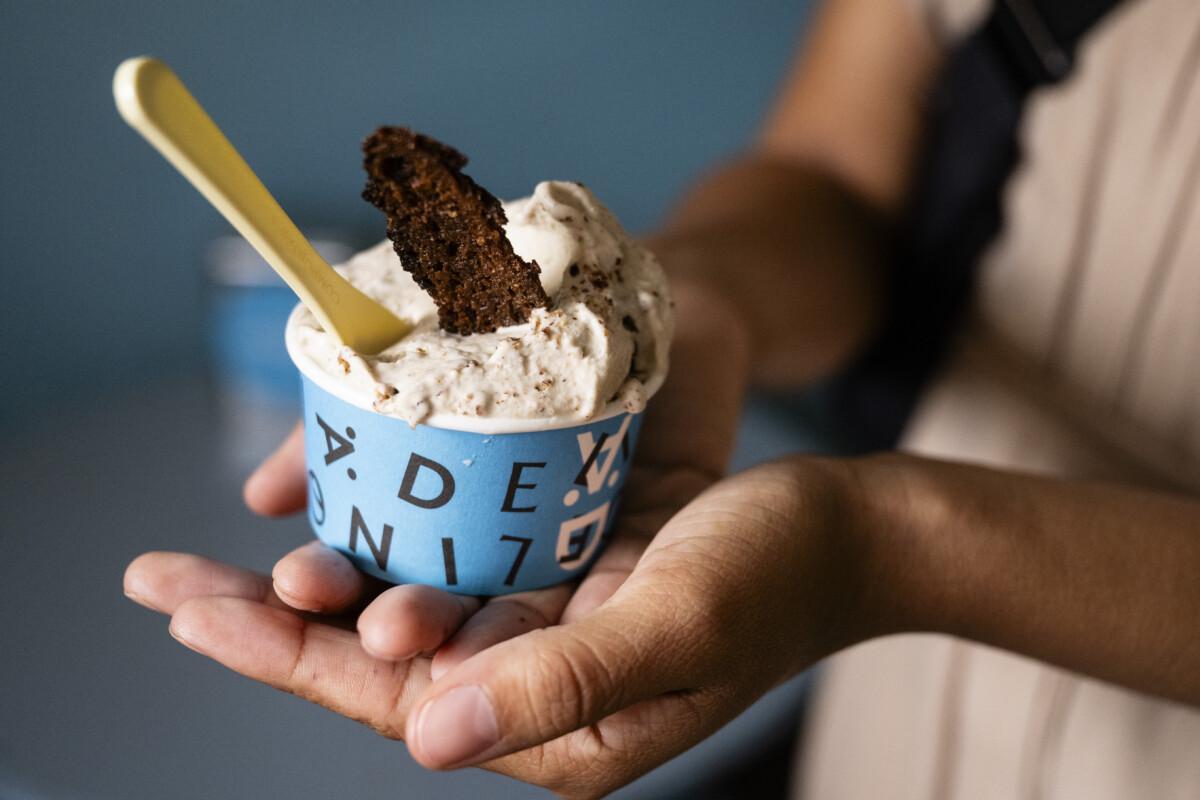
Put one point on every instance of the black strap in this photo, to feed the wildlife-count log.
(1040, 37)
(970, 150)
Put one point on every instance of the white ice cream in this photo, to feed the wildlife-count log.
(602, 341)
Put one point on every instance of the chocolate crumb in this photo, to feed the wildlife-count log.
(574, 270)
(449, 233)
(628, 323)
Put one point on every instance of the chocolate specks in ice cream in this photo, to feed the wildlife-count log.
(548, 309)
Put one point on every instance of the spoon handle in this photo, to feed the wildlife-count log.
(153, 100)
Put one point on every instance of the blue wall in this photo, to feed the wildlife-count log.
(102, 242)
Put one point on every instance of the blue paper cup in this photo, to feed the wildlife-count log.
(472, 512)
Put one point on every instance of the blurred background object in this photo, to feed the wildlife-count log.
(143, 349)
(255, 385)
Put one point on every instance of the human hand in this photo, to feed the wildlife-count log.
(753, 581)
(748, 584)
(254, 623)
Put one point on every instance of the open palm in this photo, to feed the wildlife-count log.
(321, 629)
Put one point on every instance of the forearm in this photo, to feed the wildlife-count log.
(1097, 578)
(795, 253)
(795, 233)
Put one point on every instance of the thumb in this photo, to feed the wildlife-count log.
(542, 685)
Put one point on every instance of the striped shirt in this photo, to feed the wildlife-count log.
(1081, 358)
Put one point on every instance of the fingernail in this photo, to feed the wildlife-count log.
(458, 727)
(141, 601)
(382, 653)
(177, 637)
(294, 601)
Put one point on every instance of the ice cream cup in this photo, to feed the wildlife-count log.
(463, 504)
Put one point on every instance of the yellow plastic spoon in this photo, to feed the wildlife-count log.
(155, 102)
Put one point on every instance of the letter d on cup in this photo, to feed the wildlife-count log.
(415, 463)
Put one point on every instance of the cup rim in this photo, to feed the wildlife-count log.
(454, 422)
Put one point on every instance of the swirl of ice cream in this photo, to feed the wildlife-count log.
(604, 338)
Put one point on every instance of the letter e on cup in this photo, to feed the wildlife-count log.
(514, 484)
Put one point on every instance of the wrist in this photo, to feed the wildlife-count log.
(833, 564)
(795, 254)
(901, 518)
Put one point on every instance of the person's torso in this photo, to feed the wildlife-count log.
(1080, 357)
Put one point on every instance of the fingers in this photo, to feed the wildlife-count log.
(326, 665)
(279, 486)
(408, 620)
(318, 662)
(662, 489)
(315, 577)
(542, 685)
(509, 616)
(709, 358)
(611, 569)
(163, 581)
(501, 619)
(598, 759)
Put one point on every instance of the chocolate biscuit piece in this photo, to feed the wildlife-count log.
(449, 233)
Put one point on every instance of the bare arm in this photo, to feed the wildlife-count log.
(1098, 578)
(793, 233)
